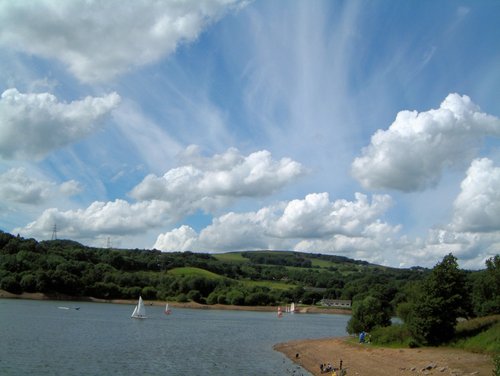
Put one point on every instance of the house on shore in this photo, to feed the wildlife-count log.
(337, 303)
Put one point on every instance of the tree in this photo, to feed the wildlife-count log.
(439, 302)
(486, 289)
(367, 314)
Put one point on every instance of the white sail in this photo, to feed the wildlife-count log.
(139, 310)
(167, 310)
(292, 307)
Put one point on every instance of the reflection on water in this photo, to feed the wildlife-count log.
(101, 339)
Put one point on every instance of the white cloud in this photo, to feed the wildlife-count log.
(17, 187)
(413, 153)
(111, 218)
(178, 240)
(477, 207)
(211, 183)
(32, 125)
(100, 39)
(471, 249)
(350, 228)
(287, 224)
(316, 216)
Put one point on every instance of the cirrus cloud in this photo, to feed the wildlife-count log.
(99, 40)
(413, 153)
(32, 125)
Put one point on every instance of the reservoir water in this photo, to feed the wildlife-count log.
(39, 338)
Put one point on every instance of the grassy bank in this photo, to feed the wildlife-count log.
(480, 335)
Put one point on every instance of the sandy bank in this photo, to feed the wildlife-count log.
(364, 359)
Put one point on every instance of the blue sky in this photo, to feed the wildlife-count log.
(367, 129)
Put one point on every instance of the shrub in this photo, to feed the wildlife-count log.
(394, 335)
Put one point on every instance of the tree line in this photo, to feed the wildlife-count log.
(65, 267)
(430, 308)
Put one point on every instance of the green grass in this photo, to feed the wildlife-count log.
(231, 257)
(269, 284)
(487, 341)
(197, 272)
(479, 335)
(394, 336)
(321, 263)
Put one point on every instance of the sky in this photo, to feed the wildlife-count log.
(366, 129)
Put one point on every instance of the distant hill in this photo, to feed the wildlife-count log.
(242, 278)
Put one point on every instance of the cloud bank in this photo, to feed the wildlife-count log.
(202, 183)
(212, 183)
(16, 186)
(413, 153)
(285, 225)
(32, 125)
(117, 35)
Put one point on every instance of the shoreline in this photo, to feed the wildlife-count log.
(364, 359)
(193, 305)
(358, 359)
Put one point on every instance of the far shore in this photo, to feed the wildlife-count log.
(39, 296)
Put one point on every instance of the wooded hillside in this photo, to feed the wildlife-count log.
(239, 278)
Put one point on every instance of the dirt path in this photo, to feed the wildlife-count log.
(363, 359)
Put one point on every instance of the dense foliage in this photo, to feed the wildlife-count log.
(431, 308)
(368, 314)
(442, 298)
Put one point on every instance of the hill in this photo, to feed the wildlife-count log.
(237, 278)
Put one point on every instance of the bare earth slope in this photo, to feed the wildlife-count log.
(363, 359)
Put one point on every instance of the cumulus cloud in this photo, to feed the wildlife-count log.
(32, 125)
(178, 240)
(316, 215)
(111, 218)
(88, 37)
(17, 187)
(413, 153)
(471, 249)
(286, 224)
(211, 183)
(477, 207)
(341, 227)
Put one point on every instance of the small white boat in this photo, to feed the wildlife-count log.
(167, 310)
(139, 310)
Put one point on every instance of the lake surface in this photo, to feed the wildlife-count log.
(38, 338)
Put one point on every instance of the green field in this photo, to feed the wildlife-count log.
(269, 284)
(197, 272)
(231, 257)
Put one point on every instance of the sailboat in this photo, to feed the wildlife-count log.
(292, 307)
(167, 310)
(139, 310)
(280, 314)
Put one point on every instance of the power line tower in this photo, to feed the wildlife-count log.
(54, 232)
(108, 244)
